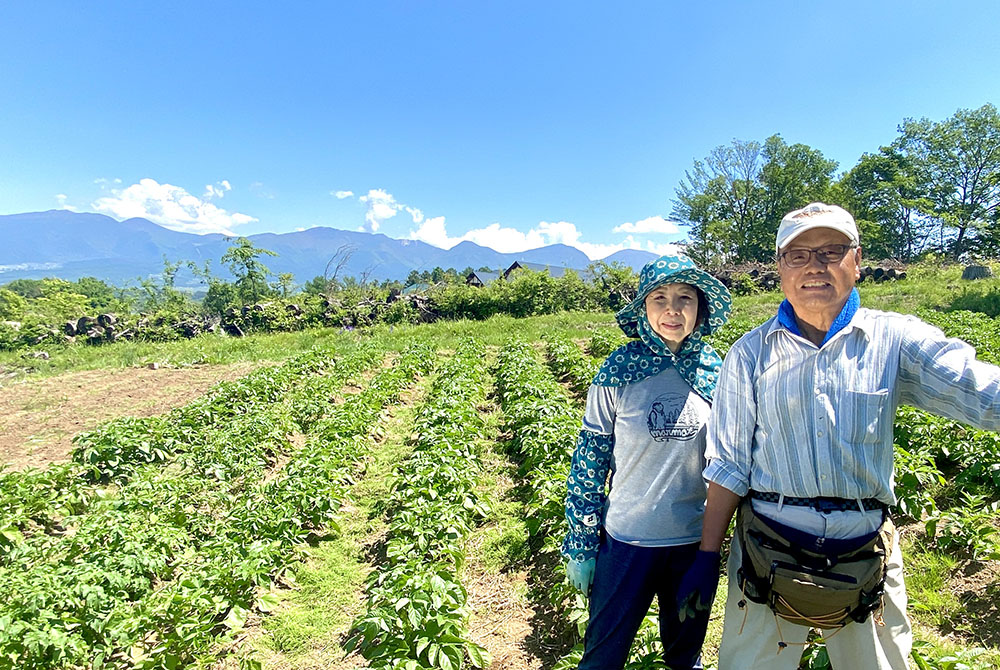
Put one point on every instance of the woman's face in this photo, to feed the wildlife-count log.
(672, 310)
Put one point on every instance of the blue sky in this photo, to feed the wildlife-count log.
(513, 124)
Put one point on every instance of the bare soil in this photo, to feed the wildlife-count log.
(501, 619)
(39, 417)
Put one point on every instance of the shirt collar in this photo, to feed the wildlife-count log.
(785, 318)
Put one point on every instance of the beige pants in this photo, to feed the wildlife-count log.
(751, 633)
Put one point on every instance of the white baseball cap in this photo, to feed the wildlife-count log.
(816, 215)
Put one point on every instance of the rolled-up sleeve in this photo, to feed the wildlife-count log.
(733, 420)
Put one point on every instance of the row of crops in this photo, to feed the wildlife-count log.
(155, 541)
(153, 545)
(416, 615)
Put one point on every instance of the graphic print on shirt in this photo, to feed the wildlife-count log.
(671, 418)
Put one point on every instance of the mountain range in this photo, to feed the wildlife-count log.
(70, 245)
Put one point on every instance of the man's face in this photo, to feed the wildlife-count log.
(818, 291)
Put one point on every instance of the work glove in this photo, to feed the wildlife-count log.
(697, 588)
(581, 574)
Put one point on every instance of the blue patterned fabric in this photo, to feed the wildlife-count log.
(697, 362)
(786, 316)
(586, 495)
(676, 270)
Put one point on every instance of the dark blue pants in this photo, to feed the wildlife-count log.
(625, 580)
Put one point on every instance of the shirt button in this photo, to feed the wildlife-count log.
(822, 476)
(819, 433)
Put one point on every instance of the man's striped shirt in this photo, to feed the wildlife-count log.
(808, 421)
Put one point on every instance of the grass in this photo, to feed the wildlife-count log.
(927, 575)
(929, 286)
(206, 349)
(311, 617)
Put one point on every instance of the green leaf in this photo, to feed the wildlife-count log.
(478, 655)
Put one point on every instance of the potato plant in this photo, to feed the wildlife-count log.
(416, 609)
(163, 563)
(543, 423)
(569, 364)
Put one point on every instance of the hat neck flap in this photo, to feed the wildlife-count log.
(696, 361)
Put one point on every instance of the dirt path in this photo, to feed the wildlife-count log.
(501, 617)
(39, 417)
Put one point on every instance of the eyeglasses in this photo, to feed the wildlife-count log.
(831, 253)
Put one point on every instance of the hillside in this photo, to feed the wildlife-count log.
(70, 245)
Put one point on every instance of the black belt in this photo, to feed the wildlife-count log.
(822, 503)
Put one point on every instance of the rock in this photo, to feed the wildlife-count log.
(96, 334)
(977, 272)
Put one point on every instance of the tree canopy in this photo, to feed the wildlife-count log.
(733, 201)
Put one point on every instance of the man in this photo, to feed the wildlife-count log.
(801, 439)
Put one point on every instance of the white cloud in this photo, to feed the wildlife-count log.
(652, 224)
(432, 231)
(417, 215)
(511, 240)
(61, 199)
(216, 190)
(261, 191)
(663, 249)
(381, 207)
(170, 206)
(340, 195)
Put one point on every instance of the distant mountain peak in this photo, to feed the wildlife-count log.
(70, 245)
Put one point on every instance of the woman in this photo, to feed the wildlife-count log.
(645, 424)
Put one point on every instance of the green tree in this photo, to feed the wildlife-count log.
(960, 157)
(885, 193)
(616, 281)
(412, 278)
(26, 288)
(285, 284)
(315, 286)
(733, 201)
(102, 296)
(243, 260)
(221, 295)
(12, 306)
(159, 294)
(59, 301)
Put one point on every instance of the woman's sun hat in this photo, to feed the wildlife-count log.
(677, 270)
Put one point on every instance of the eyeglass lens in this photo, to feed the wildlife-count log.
(796, 258)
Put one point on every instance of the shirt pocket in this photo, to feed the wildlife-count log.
(861, 416)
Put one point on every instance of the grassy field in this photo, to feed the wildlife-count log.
(515, 606)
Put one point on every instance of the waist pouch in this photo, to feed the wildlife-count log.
(806, 587)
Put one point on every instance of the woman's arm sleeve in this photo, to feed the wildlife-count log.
(585, 490)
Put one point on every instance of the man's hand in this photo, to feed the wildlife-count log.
(581, 574)
(697, 588)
